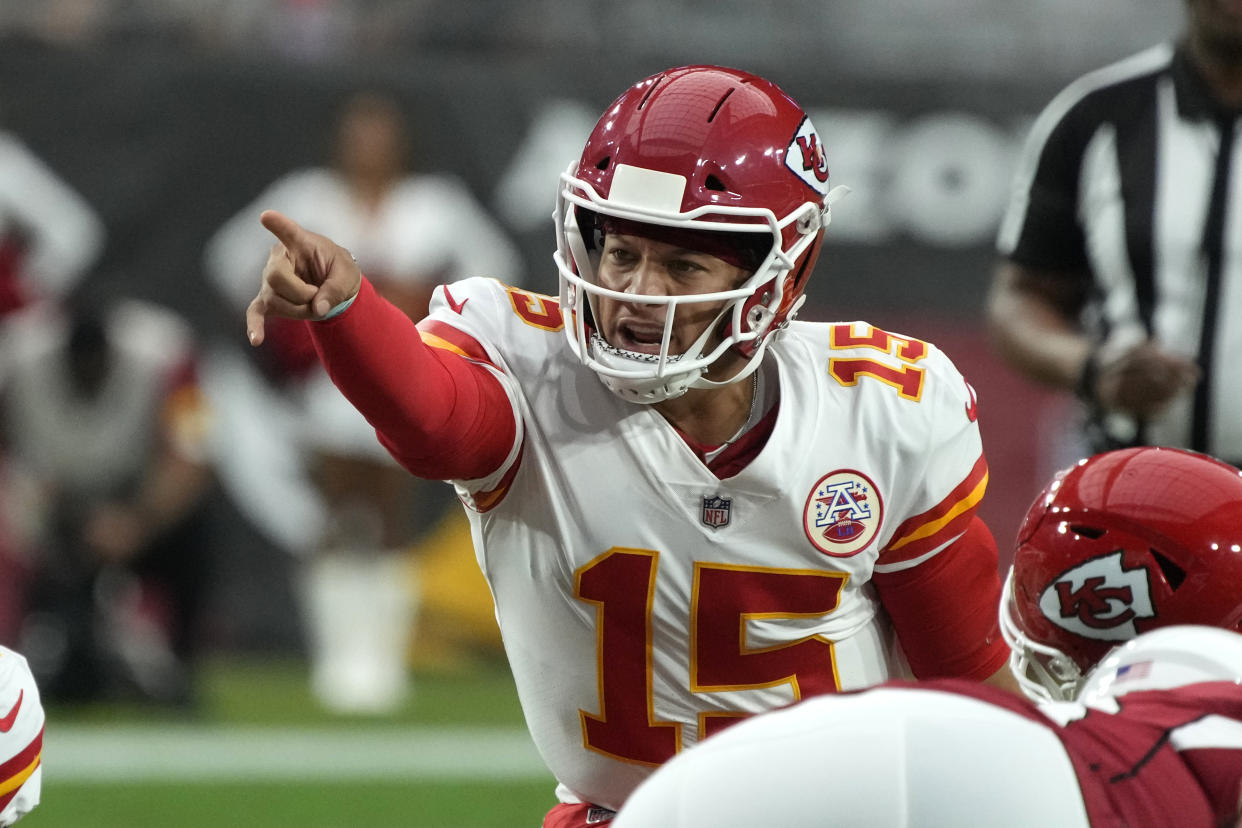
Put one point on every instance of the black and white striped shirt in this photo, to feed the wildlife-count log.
(1116, 184)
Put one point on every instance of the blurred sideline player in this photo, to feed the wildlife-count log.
(951, 753)
(689, 507)
(50, 237)
(300, 460)
(21, 738)
(105, 431)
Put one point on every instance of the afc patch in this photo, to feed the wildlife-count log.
(1099, 599)
(717, 511)
(843, 513)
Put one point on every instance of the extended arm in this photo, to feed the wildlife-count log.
(442, 416)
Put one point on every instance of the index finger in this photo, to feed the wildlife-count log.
(288, 231)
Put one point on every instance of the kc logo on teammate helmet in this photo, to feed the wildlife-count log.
(843, 513)
(1099, 599)
(805, 157)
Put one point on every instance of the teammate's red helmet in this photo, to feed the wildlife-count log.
(716, 160)
(1119, 544)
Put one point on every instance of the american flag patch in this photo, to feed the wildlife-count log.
(1138, 670)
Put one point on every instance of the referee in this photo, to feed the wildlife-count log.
(1121, 268)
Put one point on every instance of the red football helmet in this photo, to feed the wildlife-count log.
(1116, 545)
(696, 150)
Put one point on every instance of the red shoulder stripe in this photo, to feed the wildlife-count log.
(15, 771)
(947, 519)
(438, 334)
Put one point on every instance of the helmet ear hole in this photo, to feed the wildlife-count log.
(602, 164)
(1173, 573)
(714, 183)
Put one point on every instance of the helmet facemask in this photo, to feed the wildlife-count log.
(1043, 672)
(745, 322)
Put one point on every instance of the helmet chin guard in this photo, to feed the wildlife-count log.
(703, 149)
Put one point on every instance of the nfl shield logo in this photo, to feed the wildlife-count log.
(716, 511)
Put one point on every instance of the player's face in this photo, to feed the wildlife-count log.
(1217, 26)
(642, 266)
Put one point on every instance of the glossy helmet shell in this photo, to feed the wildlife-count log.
(700, 148)
(1122, 543)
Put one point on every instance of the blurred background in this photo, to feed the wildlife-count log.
(150, 127)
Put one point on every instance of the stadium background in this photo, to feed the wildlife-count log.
(168, 116)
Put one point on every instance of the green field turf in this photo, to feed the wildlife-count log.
(297, 805)
(257, 696)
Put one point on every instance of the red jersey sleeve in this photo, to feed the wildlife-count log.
(441, 414)
(944, 610)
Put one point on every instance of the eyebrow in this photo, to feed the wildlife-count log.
(676, 251)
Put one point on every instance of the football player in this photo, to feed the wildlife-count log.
(689, 506)
(1120, 543)
(21, 738)
(1155, 739)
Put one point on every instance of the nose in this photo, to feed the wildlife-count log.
(643, 279)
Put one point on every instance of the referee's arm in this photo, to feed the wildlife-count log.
(1033, 323)
(1032, 317)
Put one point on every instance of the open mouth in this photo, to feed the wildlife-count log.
(628, 352)
(643, 338)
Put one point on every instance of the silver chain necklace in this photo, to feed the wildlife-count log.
(751, 419)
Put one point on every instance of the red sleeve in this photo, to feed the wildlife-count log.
(441, 415)
(945, 609)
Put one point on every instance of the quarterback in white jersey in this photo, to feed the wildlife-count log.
(686, 600)
(689, 507)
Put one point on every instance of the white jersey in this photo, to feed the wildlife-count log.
(645, 603)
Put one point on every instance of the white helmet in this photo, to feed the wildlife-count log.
(1168, 657)
(21, 738)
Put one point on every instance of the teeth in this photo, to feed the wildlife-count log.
(598, 342)
(646, 337)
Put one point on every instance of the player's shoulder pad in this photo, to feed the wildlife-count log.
(896, 370)
(509, 319)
